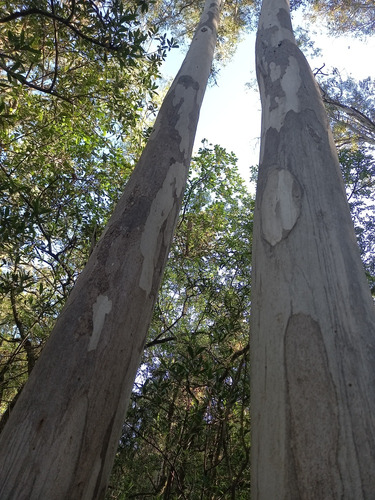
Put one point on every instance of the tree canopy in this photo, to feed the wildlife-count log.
(349, 16)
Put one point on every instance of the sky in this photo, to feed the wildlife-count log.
(230, 115)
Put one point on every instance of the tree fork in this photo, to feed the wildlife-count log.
(62, 436)
(313, 322)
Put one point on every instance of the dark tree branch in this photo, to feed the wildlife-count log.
(98, 13)
(56, 49)
(23, 80)
(159, 341)
(71, 15)
(352, 111)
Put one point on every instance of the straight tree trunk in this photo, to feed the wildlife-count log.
(61, 437)
(313, 323)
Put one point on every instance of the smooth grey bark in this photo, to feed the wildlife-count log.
(61, 437)
(313, 321)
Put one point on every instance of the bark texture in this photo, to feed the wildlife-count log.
(61, 438)
(313, 321)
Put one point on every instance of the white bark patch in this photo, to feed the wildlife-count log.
(269, 19)
(160, 209)
(275, 71)
(290, 83)
(101, 307)
(280, 206)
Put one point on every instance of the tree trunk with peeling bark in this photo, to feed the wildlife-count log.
(313, 322)
(61, 437)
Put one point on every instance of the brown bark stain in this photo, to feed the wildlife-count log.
(312, 411)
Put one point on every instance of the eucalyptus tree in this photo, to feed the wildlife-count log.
(61, 437)
(186, 434)
(313, 320)
(74, 82)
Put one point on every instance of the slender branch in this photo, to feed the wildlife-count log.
(367, 133)
(72, 11)
(352, 111)
(56, 49)
(174, 15)
(159, 341)
(98, 13)
(240, 352)
(318, 71)
(25, 341)
(159, 450)
(23, 80)
(8, 56)
(16, 318)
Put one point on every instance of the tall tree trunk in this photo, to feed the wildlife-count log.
(62, 435)
(313, 322)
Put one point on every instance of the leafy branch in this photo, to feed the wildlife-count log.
(65, 21)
